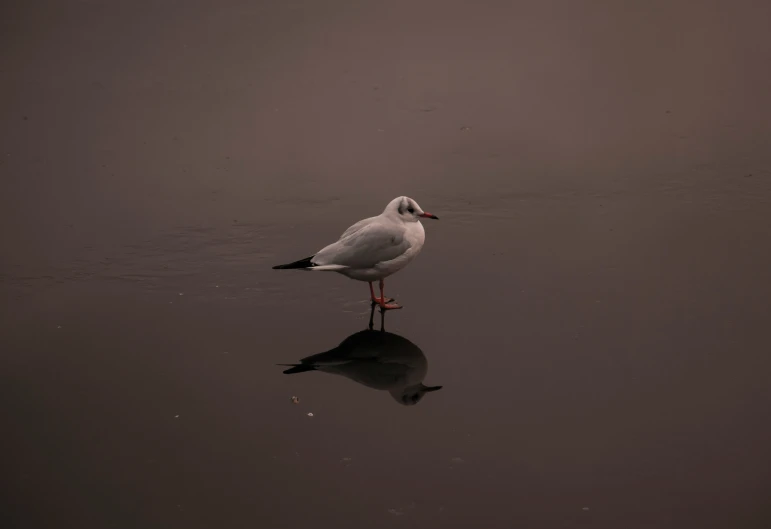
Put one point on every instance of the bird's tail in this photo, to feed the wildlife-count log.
(298, 368)
(302, 263)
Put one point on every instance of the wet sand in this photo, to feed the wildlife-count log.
(594, 301)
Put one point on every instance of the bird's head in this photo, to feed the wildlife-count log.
(407, 210)
(411, 395)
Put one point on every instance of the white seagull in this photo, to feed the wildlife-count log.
(373, 248)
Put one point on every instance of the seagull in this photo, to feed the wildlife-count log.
(373, 248)
(377, 359)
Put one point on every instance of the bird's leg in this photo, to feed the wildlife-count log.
(372, 317)
(377, 300)
(385, 305)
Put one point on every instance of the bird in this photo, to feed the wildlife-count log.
(377, 359)
(373, 248)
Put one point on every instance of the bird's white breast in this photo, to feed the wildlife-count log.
(415, 236)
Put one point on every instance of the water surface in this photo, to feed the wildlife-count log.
(594, 301)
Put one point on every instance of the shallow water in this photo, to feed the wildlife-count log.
(593, 301)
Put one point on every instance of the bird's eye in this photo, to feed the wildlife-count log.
(411, 209)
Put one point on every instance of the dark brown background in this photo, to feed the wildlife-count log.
(595, 299)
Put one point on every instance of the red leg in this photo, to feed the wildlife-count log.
(376, 299)
(382, 301)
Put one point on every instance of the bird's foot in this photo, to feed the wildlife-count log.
(386, 304)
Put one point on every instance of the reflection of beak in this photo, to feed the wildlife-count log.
(431, 388)
(428, 215)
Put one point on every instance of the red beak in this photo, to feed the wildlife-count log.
(428, 215)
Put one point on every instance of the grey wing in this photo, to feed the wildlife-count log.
(356, 227)
(365, 247)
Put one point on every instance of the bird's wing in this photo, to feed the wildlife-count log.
(366, 246)
(356, 227)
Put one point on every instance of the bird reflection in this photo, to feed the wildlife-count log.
(377, 359)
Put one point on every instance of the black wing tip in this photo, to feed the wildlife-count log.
(301, 368)
(302, 263)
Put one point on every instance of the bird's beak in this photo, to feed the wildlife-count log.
(428, 215)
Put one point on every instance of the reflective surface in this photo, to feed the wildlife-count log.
(594, 301)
